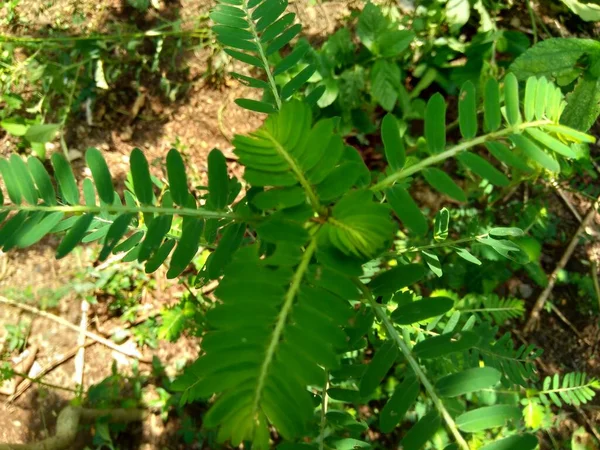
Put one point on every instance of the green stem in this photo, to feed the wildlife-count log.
(262, 55)
(452, 152)
(533, 22)
(282, 318)
(43, 383)
(324, 406)
(124, 209)
(101, 37)
(395, 336)
(441, 244)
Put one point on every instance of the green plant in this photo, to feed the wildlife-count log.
(316, 307)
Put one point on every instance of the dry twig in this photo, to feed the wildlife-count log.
(88, 334)
(533, 322)
(68, 422)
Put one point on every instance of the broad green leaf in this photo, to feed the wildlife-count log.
(530, 97)
(296, 83)
(507, 249)
(491, 105)
(255, 105)
(470, 380)
(23, 179)
(157, 230)
(421, 310)
(12, 226)
(442, 182)
(572, 134)
(41, 229)
(276, 28)
(159, 256)
(101, 175)
(421, 432)
(511, 99)
(583, 105)
(433, 262)
(406, 209)
(283, 39)
(392, 142)
(358, 226)
(396, 407)
(65, 178)
(458, 13)
(385, 83)
(483, 168)
(590, 12)
(396, 278)
(14, 126)
(74, 235)
(42, 180)
(467, 110)
(129, 243)
(502, 153)
(10, 182)
(218, 181)
(42, 133)
(277, 230)
(245, 58)
(392, 43)
(440, 225)
(551, 143)
(371, 24)
(554, 58)
(515, 442)
(445, 344)
(435, 123)
(379, 366)
(467, 256)
(187, 247)
(487, 417)
(177, 177)
(89, 192)
(291, 60)
(229, 243)
(140, 173)
(506, 231)
(116, 231)
(533, 152)
(541, 98)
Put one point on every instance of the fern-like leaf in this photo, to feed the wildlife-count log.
(270, 338)
(575, 389)
(251, 31)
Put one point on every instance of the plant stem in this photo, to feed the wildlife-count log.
(395, 336)
(452, 152)
(101, 37)
(325, 403)
(532, 19)
(263, 57)
(124, 209)
(441, 244)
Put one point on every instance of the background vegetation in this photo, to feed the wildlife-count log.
(422, 272)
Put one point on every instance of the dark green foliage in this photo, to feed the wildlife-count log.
(320, 299)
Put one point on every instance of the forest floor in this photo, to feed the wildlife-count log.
(196, 122)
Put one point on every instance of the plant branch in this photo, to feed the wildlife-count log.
(395, 336)
(67, 425)
(67, 324)
(452, 152)
(124, 209)
(324, 405)
(534, 318)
